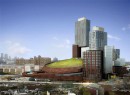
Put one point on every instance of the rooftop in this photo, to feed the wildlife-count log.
(97, 28)
(73, 62)
(80, 19)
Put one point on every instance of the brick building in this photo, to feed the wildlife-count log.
(93, 65)
(36, 60)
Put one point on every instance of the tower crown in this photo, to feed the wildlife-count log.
(80, 19)
(97, 28)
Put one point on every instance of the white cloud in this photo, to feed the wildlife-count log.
(67, 41)
(15, 48)
(114, 37)
(126, 28)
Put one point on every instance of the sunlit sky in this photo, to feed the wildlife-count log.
(46, 27)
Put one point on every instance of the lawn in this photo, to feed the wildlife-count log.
(66, 63)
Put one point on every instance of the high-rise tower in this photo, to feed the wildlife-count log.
(82, 28)
(108, 59)
(97, 38)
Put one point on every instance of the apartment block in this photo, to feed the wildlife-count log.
(93, 65)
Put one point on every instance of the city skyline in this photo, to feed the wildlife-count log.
(46, 28)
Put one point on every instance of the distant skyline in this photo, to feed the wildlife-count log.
(46, 27)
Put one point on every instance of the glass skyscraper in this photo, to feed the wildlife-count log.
(97, 38)
(108, 59)
(82, 28)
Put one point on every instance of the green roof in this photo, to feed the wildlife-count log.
(73, 62)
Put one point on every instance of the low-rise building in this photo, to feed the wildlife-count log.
(36, 61)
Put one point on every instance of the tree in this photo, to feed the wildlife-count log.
(80, 90)
(47, 87)
(84, 91)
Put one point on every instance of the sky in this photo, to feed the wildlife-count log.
(46, 27)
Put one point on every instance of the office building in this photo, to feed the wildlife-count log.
(108, 59)
(82, 28)
(97, 38)
(93, 65)
(76, 51)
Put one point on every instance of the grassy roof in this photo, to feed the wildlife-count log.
(66, 63)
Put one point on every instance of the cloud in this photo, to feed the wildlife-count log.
(15, 48)
(113, 37)
(67, 41)
(126, 28)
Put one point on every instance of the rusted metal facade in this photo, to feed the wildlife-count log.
(62, 70)
(53, 77)
(58, 74)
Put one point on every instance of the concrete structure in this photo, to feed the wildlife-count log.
(19, 69)
(108, 59)
(12, 69)
(76, 51)
(82, 28)
(93, 65)
(97, 38)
